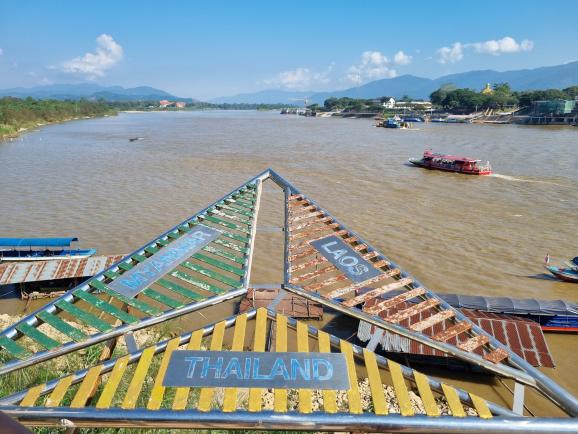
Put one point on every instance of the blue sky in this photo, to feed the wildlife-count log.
(208, 49)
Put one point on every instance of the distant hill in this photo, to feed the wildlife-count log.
(91, 91)
(559, 77)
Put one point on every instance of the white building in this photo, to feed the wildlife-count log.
(388, 103)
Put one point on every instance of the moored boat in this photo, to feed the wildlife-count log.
(452, 163)
(40, 249)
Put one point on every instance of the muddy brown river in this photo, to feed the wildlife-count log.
(456, 233)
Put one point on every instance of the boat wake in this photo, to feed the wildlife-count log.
(514, 179)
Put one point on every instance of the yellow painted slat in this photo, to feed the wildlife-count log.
(182, 393)
(32, 395)
(258, 345)
(206, 395)
(375, 383)
(105, 399)
(135, 386)
(329, 396)
(353, 393)
(400, 387)
(426, 394)
(280, 395)
(59, 391)
(158, 392)
(305, 395)
(87, 387)
(454, 402)
(481, 406)
(230, 398)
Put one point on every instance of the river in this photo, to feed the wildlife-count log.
(456, 233)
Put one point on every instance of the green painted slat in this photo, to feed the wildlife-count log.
(161, 298)
(36, 335)
(246, 204)
(240, 238)
(173, 235)
(233, 201)
(162, 242)
(180, 290)
(226, 223)
(62, 326)
(132, 302)
(232, 246)
(86, 317)
(224, 254)
(125, 266)
(219, 264)
(151, 249)
(139, 258)
(235, 218)
(223, 205)
(210, 273)
(111, 274)
(13, 348)
(185, 277)
(106, 307)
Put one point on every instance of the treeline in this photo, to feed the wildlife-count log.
(16, 113)
(502, 96)
(195, 105)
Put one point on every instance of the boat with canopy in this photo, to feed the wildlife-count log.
(40, 249)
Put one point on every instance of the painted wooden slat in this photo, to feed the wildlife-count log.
(230, 397)
(55, 398)
(62, 326)
(226, 224)
(258, 345)
(329, 396)
(138, 378)
(36, 335)
(86, 317)
(182, 393)
(453, 400)
(353, 392)
(158, 391)
(375, 383)
(87, 387)
(426, 394)
(139, 258)
(162, 298)
(106, 307)
(32, 396)
(224, 205)
(199, 283)
(212, 274)
(230, 216)
(180, 290)
(401, 392)
(481, 406)
(132, 302)
(305, 395)
(280, 395)
(111, 274)
(219, 264)
(207, 393)
(232, 236)
(224, 254)
(13, 348)
(232, 246)
(107, 395)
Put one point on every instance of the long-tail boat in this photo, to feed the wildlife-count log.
(452, 163)
(40, 249)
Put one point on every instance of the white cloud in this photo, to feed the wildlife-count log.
(300, 78)
(107, 54)
(502, 46)
(400, 58)
(494, 47)
(374, 65)
(452, 54)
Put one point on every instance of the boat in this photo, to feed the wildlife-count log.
(412, 119)
(568, 273)
(452, 163)
(40, 249)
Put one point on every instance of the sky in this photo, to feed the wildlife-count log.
(205, 49)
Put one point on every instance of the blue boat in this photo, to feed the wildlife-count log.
(567, 274)
(40, 249)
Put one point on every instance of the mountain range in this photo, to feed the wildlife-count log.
(91, 91)
(547, 77)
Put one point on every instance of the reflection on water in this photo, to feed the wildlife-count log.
(456, 233)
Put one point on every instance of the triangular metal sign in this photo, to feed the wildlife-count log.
(382, 395)
(202, 261)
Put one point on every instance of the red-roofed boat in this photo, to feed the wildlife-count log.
(452, 163)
